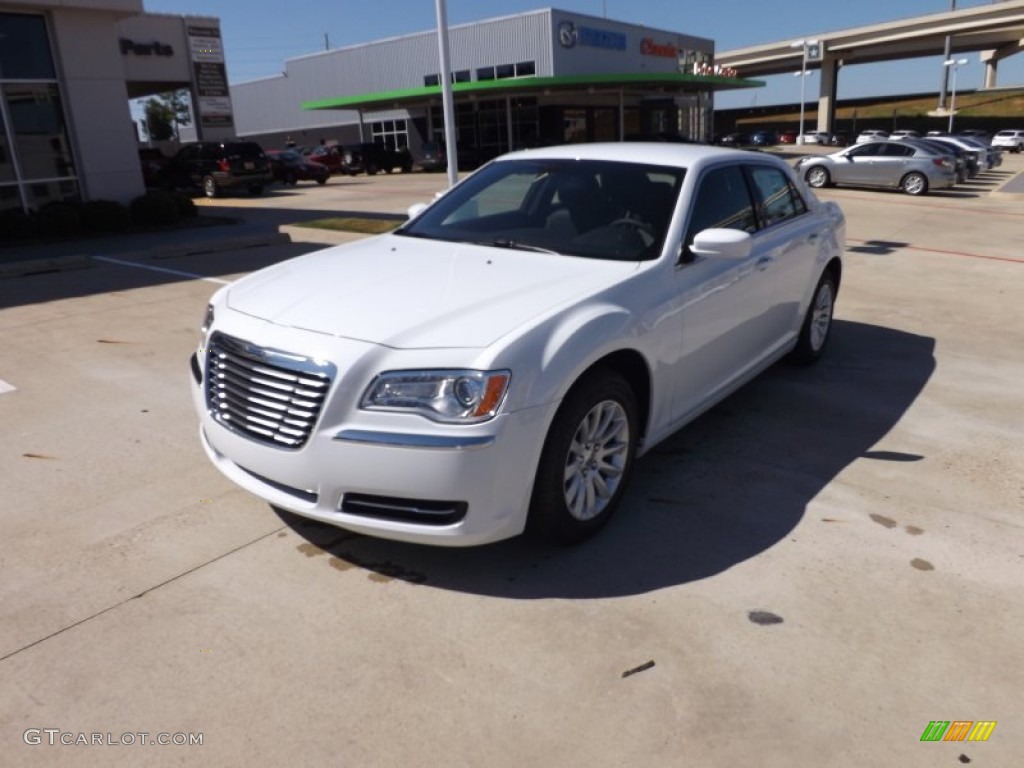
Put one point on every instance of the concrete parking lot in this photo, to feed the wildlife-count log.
(806, 576)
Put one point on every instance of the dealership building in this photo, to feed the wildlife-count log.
(68, 69)
(541, 77)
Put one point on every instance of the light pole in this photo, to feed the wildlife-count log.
(803, 79)
(804, 45)
(945, 56)
(953, 64)
(447, 101)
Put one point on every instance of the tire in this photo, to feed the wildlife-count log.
(914, 184)
(210, 188)
(818, 177)
(586, 460)
(817, 325)
(291, 180)
(371, 170)
(256, 189)
(321, 181)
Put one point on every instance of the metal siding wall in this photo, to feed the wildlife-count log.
(265, 106)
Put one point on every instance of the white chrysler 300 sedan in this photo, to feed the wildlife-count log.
(499, 362)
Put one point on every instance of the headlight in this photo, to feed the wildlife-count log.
(207, 319)
(450, 396)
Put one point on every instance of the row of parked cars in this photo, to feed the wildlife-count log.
(216, 167)
(914, 164)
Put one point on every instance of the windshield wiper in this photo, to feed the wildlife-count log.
(504, 242)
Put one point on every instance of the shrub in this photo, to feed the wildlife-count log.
(59, 219)
(105, 216)
(154, 208)
(186, 206)
(16, 224)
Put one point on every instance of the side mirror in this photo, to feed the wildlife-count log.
(722, 244)
(415, 210)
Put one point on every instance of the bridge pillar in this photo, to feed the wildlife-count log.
(991, 70)
(991, 59)
(827, 93)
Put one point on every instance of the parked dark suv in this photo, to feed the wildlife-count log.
(372, 158)
(216, 166)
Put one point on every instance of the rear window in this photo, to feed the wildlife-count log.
(244, 149)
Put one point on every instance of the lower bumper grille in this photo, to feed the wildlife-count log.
(267, 395)
(404, 510)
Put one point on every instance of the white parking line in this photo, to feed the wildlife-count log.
(177, 272)
(5, 387)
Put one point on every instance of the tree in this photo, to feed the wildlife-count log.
(164, 113)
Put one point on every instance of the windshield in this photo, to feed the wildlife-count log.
(591, 208)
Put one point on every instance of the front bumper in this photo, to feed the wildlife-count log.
(390, 475)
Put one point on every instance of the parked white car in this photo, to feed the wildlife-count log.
(872, 134)
(815, 137)
(1011, 139)
(500, 361)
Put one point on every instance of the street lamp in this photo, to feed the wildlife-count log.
(953, 64)
(812, 48)
(802, 74)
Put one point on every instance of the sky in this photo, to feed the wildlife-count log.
(260, 35)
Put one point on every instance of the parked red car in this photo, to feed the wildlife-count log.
(787, 137)
(330, 157)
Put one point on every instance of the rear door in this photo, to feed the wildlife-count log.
(787, 243)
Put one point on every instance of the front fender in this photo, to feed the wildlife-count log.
(556, 354)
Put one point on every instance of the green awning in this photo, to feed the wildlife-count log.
(643, 81)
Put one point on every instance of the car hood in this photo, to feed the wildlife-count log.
(413, 293)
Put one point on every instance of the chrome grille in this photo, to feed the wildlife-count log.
(267, 395)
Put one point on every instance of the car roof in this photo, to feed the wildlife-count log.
(643, 152)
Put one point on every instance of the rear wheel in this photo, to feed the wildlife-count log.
(914, 184)
(291, 179)
(371, 169)
(586, 460)
(256, 189)
(210, 187)
(322, 180)
(814, 332)
(818, 177)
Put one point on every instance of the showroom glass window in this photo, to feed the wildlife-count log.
(36, 165)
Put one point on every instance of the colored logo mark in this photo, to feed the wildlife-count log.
(958, 730)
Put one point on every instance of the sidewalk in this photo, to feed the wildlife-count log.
(76, 253)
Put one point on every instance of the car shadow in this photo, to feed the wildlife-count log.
(726, 488)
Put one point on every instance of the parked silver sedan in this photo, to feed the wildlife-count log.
(912, 167)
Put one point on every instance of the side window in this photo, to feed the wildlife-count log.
(867, 150)
(722, 201)
(897, 150)
(778, 200)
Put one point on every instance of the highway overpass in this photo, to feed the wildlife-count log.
(996, 31)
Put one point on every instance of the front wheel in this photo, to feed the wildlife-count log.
(256, 189)
(814, 332)
(586, 460)
(914, 184)
(818, 177)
